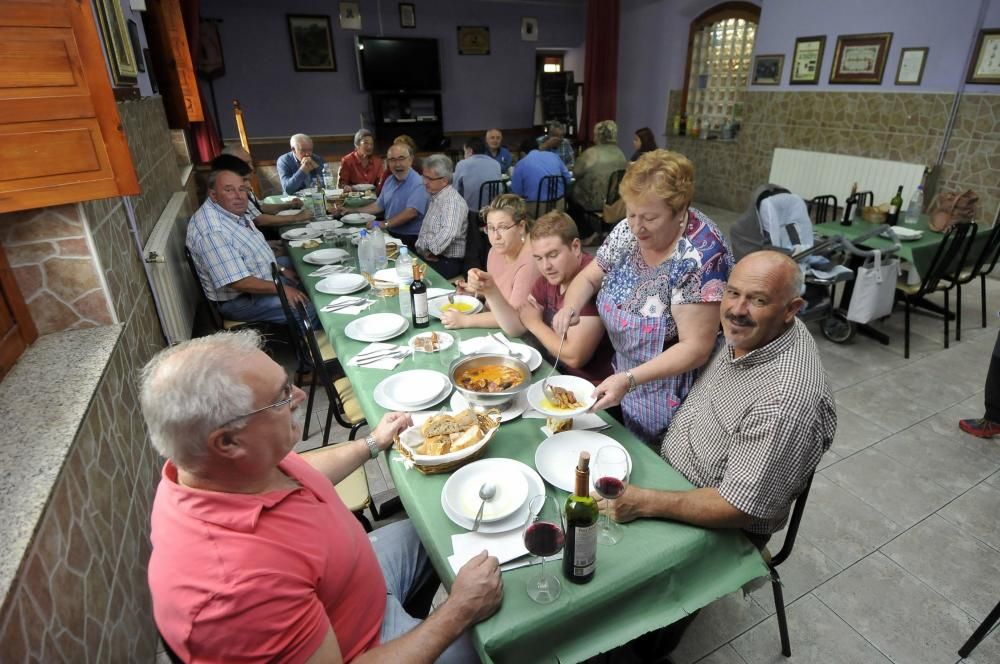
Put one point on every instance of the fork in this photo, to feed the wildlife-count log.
(546, 389)
(343, 304)
(378, 358)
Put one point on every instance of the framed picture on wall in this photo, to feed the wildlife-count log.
(911, 66)
(860, 58)
(350, 16)
(807, 60)
(407, 15)
(529, 28)
(312, 43)
(473, 40)
(117, 42)
(767, 69)
(985, 67)
(133, 36)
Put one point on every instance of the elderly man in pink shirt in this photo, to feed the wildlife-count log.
(255, 557)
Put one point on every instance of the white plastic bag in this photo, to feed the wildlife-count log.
(874, 289)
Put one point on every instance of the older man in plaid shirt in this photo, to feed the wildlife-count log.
(442, 237)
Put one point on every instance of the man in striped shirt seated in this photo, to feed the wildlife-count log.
(442, 237)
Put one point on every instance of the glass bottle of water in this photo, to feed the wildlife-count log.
(378, 247)
(366, 260)
(404, 272)
(915, 208)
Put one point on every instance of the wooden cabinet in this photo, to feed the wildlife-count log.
(17, 330)
(61, 139)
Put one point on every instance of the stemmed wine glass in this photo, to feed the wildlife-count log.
(611, 471)
(543, 536)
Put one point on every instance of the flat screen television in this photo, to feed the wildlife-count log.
(408, 65)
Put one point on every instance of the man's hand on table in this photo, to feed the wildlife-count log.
(610, 392)
(629, 506)
(278, 247)
(295, 296)
(389, 427)
(478, 590)
(304, 215)
(293, 204)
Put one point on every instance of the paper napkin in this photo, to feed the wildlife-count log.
(333, 307)
(373, 352)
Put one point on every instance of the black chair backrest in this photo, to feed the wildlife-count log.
(487, 192)
(613, 183)
(822, 208)
(949, 258)
(213, 312)
(549, 193)
(308, 337)
(987, 258)
(793, 525)
(294, 326)
(476, 245)
(864, 199)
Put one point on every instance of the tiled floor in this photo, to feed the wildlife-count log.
(898, 558)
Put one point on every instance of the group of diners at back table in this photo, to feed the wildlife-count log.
(704, 361)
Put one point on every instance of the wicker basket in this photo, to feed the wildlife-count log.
(487, 422)
(873, 215)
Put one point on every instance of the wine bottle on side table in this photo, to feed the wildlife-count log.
(580, 554)
(418, 300)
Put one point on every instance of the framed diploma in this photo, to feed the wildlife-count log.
(807, 60)
(860, 58)
(985, 67)
(911, 66)
(767, 69)
(473, 40)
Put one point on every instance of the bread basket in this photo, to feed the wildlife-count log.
(489, 422)
(874, 215)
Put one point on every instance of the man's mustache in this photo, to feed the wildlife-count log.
(744, 321)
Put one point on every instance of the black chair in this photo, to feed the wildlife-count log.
(219, 323)
(477, 245)
(548, 195)
(982, 266)
(941, 275)
(786, 549)
(980, 632)
(864, 199)
(488, 191)
(822, 208)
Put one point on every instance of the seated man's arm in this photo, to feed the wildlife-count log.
(256, 286)
(339, 461)
(581, 339)
(475, 596)
(701, 507)
(401, 218)
(215, 254)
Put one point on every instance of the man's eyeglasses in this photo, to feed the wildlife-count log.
(498, 230)
(288, 392)
(430, 179)
(396, 160)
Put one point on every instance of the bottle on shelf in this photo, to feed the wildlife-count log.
(366, 259)
(378, 247)
(916, 207)
(404, 272)
(849, 206)
(580, 553)
(892, 217)
(418, 300)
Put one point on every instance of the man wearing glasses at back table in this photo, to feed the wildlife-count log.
(403, 199)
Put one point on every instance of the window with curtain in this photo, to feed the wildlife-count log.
(720, 45)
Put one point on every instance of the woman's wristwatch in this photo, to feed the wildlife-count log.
(631, 382)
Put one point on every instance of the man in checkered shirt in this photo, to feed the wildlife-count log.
(757, 421)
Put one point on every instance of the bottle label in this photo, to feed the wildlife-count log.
(420, 308)
(893, 209)
(584, 549)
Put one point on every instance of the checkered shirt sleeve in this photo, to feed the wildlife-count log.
(226, 249)
(445, 224)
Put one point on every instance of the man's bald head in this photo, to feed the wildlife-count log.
(761, 300)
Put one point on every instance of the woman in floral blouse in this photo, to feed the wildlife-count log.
(659, 280)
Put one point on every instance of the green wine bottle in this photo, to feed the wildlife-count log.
(894, 206)
(580, 552)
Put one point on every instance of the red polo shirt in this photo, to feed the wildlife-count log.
(262, 577)
(352, 172)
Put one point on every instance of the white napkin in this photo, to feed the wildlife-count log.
(327, 270)
(352, 310)
(475, 344)
(505, 546)
(388, 363)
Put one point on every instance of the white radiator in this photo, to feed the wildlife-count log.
(170, 277)
(811, 174)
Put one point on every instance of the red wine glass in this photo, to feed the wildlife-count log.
(611, 471)
(543, 537)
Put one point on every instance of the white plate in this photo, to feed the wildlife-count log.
(376, 327)
(513, 410)
(357, 218)
(582, 388)
(436, 306)
(362, 187)
(411, 438)
(326, 225)
(334, 193)
(301, 234)
(289, 213)
(389, 404)
(536, 487)
(325, 256)
(556, 457)
(341, 284)
(387, 275)
(411, 388)
(461, 491)
(488, 344)
(445, 341)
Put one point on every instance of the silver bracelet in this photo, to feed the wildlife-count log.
(631, 382)
(373, 449)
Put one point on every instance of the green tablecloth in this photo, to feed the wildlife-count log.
(918, 252)
(660, 572)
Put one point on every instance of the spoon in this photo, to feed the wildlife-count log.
(503, 342)
(486, 492)
(546, 388)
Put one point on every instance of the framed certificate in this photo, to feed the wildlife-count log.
(767, 69)
(473, 40)
(985, 67)
(807, 60)
(911, 66)
(860, 58)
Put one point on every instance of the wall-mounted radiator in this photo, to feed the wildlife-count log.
(810, 174)
(171, 279)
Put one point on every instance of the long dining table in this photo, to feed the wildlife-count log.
(660, 572)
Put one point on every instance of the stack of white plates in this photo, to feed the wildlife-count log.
(334, 193)
(557, 456)
(301, 234)
(362, 187)
(357, 218)
(412, 390)
(516, 484)
(289, 213)
(341, 284)
(327, 225)
(325, 256)
(377, 327)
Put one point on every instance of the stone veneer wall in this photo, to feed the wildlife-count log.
(882, 125)
(81, 593)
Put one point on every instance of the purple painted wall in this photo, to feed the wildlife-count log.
(478, 91)
(947, 28)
